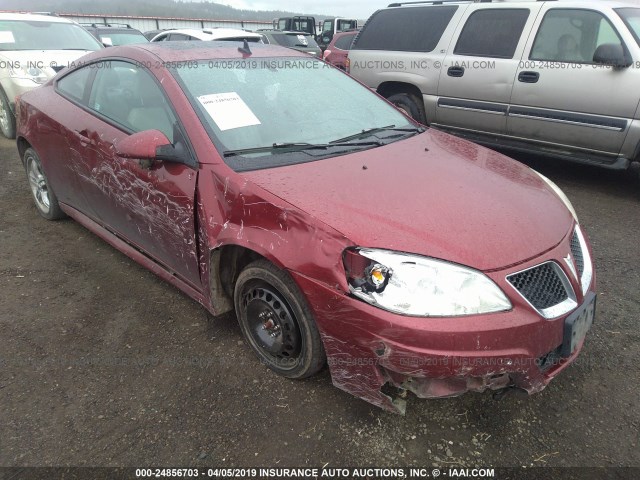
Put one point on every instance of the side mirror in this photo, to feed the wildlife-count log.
(107, 42)
(142, 145)
(612, 55)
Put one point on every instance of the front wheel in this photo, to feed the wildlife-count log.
(7, 119)
(277, 322)
(410, 105)
(43, 196)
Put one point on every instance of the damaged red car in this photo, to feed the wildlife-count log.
(406, 259)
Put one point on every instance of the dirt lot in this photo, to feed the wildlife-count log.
(102, 363)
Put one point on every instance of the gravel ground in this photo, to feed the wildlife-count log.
(103, 364)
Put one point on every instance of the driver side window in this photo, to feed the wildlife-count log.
(128, 96)
(572, 36)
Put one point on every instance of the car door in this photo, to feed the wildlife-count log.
(151, 206)
(61, 132)
(478, 72)
(561, 97)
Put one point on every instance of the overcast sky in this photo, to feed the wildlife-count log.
(360, 9)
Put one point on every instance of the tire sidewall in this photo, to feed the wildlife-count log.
(312, 355)
(409, 104)
(11, 133)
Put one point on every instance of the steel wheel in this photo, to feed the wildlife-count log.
(272, 324)
(277, 322)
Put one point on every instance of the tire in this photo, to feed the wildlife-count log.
(7, 119)
(277, 322)
(410, 105)
(43, 196)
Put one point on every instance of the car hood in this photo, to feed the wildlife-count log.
(50, 61)
(433, 194)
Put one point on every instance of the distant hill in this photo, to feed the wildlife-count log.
(149, 8)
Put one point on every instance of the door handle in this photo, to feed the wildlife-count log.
(455, 71)
(528, 77)
(83, 136)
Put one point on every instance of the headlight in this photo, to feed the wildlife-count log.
(420, 286)
(560, 194)
(33, 73)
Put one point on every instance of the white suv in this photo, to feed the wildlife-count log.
(554, 77)
(33, 48)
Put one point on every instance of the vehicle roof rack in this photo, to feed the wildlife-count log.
(116, 25)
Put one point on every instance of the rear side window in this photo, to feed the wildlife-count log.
(492, 33)
(178, 36)
(405, 29)
(74, 84)
(344, 43)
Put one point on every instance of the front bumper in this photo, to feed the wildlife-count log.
(14, 87)
(378, 356)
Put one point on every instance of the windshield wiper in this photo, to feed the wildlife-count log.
(371, 131)
(297, 147)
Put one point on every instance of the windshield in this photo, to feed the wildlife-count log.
(267, 103)
(631, 16)
(122, 38)
(43, 35)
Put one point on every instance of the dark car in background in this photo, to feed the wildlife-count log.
(338, 50)
(300, 41)
(115, 34)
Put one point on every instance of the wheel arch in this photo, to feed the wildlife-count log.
(225, 265)
(386, 89)
(23, 144)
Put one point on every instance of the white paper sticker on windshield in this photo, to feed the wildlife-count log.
(228, 110)
(7, 37)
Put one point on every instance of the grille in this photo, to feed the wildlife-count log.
(540, 285)
(576, 250)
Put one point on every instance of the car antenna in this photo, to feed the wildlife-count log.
(245, 50)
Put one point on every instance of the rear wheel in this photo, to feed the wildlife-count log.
(277, 322)
(7, 119)
(410, 105)
(43, 196)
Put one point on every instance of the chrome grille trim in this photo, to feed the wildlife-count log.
(585, 257)
(568, 303)
(576, 251)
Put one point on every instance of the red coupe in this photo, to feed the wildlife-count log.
(405, 258)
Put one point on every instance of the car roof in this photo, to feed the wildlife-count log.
(507, 3)
(213, 33)
(188, 51)
(29, 17)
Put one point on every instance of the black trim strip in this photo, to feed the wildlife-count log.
(472, 105)
(561, 116)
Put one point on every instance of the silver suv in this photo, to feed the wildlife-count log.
(33, 48)
(558, 77)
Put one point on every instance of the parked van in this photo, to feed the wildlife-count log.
(558, 77)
